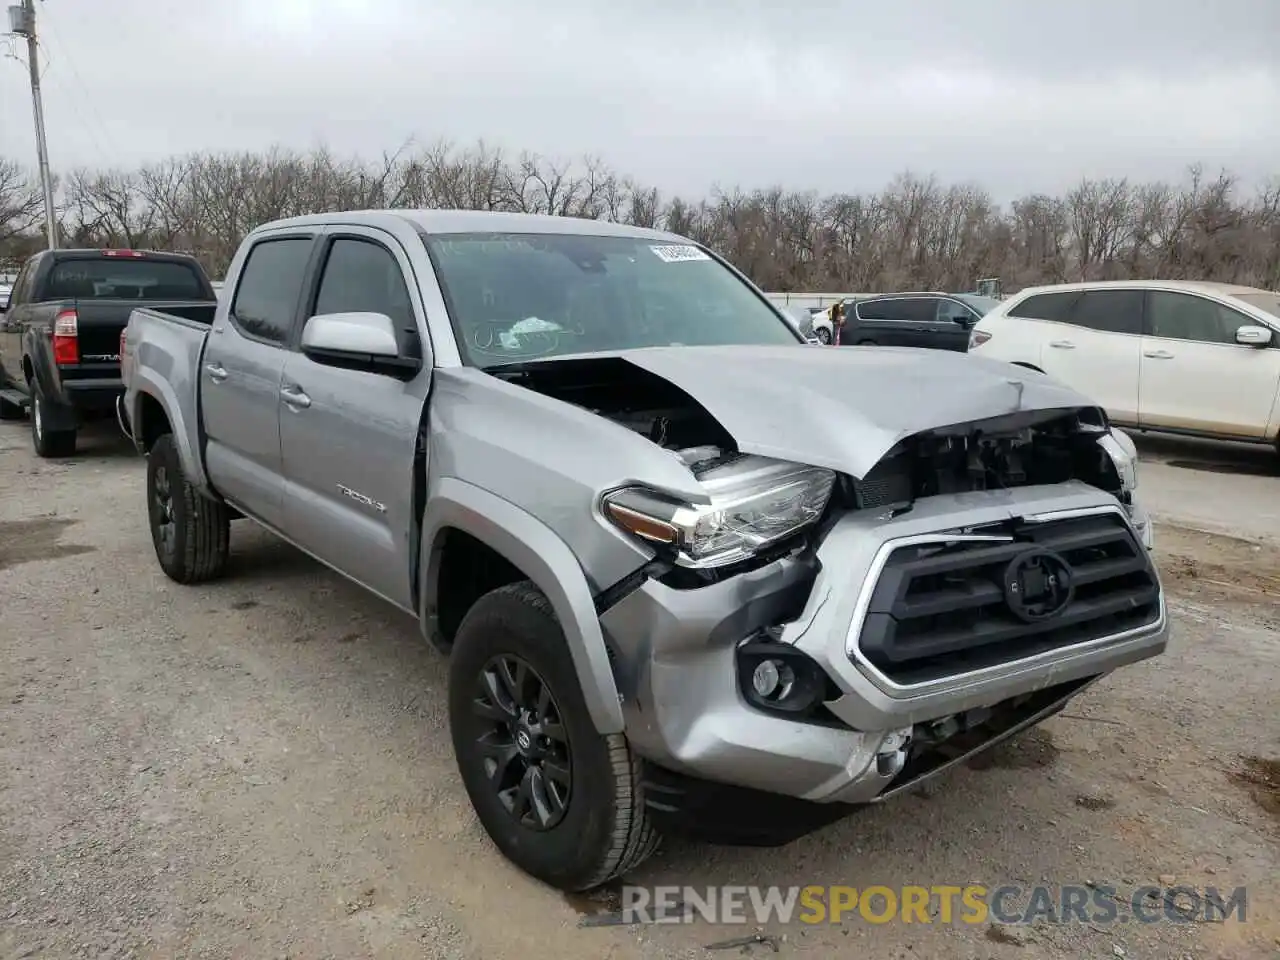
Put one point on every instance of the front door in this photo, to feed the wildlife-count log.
(240, 376)
(1194, 374)
(349, 437)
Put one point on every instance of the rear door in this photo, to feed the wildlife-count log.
(241, 370)
(1093, 344)
(1194, 374)
(349, 436)
(895, 321)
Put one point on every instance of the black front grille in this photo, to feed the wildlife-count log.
(941, 609)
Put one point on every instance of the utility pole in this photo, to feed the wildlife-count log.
(22, 21)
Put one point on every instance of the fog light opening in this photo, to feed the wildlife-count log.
(777, 677)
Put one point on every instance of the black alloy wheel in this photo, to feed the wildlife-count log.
(524, 743)
(164, 525)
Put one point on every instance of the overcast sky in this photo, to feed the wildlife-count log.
(833, 95)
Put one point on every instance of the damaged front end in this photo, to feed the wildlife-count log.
(827, 628)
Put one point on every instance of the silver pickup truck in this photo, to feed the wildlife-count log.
(692, 573)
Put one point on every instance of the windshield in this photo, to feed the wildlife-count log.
(110, 278)
(1270, 302)
(516, 297)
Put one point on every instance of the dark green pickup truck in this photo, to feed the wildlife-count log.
(60, 333)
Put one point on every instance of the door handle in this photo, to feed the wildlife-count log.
(1158, 354)
(294, 397)
(1062, 344)
(217, 372)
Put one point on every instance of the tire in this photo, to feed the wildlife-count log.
(867, 343)
(10, 410)
(824, 335)
(603, 829)
(191, 533)
(48, 443)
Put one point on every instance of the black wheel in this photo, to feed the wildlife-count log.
(560, 801)
(824, 335)
(191, 532)
(48, 443)
(866, 343)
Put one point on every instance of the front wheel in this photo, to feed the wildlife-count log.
(191, 533)
(560, 801)
(824, 335)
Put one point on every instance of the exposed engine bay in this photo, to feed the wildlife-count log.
(1022, 449)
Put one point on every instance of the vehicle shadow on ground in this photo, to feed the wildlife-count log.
(1209, 456)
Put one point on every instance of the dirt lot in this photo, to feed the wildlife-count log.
(260, 768)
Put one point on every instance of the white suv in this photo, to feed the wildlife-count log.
(1195, 358)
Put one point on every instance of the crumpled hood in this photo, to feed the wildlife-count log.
(845, 408)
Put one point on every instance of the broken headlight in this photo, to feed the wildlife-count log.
(1120, 448)
(754, 503)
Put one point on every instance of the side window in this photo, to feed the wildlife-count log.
(955, 311)
(21, 292)
(1046, 306)
(362, 276)
(1109, 311)
(1183, 316)
(919, 310)
(270, 283)
(882, 310)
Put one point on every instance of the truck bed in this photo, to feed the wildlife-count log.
(162, 349)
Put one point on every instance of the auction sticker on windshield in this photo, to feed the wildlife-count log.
(678, 254)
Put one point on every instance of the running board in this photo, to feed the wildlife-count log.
(16, 398)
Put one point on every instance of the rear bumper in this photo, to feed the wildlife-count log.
(91, 395)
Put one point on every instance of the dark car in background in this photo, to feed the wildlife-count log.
(937, 321)
(60, 333)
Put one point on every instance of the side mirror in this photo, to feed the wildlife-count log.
(1253, 336)
(357, 341)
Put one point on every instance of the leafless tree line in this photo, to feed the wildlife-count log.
(916, 233)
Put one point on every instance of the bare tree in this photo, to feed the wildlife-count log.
(915, 233)
(21, 202)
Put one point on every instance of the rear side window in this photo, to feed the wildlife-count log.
(1181, 316)
(904, 309)
(1046, 306)
(1109, 311)
(269, 287)
(116, 278)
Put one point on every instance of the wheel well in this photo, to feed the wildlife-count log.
(154, 421)
(28, 371)
(469, 568)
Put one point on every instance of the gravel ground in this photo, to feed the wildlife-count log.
(260, 768)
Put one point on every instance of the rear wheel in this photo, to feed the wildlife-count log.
(866, 343)
(48, 442)
(824, 335)
(191, 533)
(560, 801)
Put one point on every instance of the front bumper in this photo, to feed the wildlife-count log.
(675, 660)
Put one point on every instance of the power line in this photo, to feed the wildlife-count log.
(65, 56)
